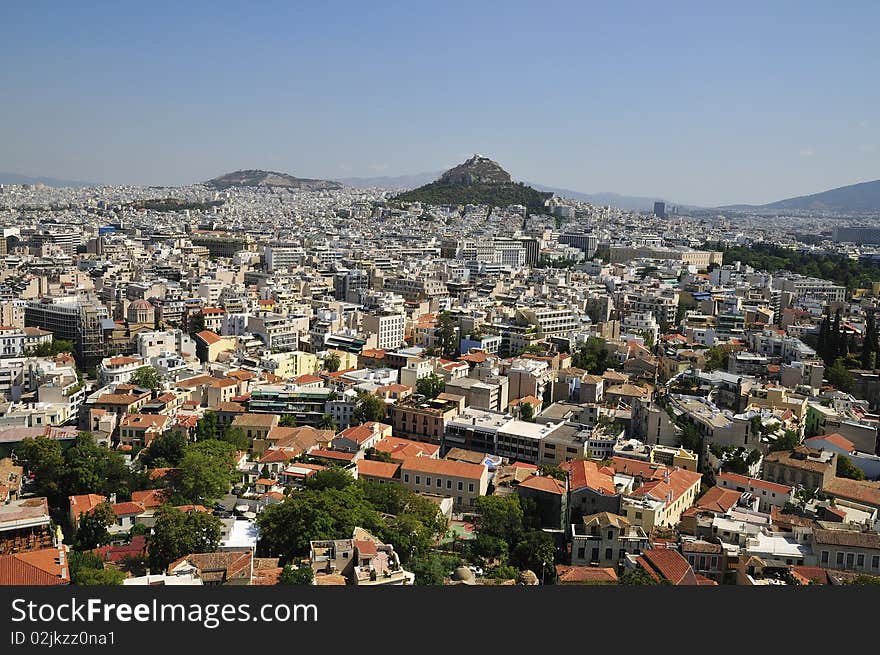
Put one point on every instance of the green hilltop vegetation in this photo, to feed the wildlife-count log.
(478, 181)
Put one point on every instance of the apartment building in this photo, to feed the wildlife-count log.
(462, 481)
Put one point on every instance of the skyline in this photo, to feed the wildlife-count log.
(691, 104)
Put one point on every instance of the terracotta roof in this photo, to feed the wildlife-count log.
(746, 482)
(850, 538)
(443, 467)
(585, 474)
(670, 565)
(585, 574)
(718, 499)
(278, 455)
(254, 419)
(834, 438)
(400, 448)
(638, 468)
(151, 498)
(30, 569)
(373, 469)
(679, 482)
(209, 337)
(362, 433)
(218, 567)
(545, 483)
(857, 490)
(85, 503)
(127, 508)
(145, 421)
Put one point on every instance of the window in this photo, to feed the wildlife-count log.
(418, 479)
(875, 562)
(610, 535)
(860, 560)
(839, 559)
(449, 484)
(608, 553)
(581, 552)
(471, 487)
(427, 482)
(439, 483)
(638, 515)
(406, 477)
(460, 485)
(850, 560)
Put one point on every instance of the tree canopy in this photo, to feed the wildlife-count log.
(179, 533)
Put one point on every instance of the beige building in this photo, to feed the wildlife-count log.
(462, 481)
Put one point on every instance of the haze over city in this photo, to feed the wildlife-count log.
(685, 101)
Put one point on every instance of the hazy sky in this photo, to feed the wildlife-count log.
(689, 101)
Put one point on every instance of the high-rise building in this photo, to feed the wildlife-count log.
(660, 209)
(589, 243)
(81, 321)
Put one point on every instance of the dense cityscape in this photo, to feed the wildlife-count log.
(264, 380)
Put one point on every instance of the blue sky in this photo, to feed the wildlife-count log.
(750, 102)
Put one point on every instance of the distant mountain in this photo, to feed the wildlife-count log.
(394, 182)
(478, 181)
(863, 197)
(15, 178)
(632, 203)
(270, 179)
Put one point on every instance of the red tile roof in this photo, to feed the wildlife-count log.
(669, 564)
(585, 474)
(718, 499)
(443, 467)
(545, 483)
(373, 469)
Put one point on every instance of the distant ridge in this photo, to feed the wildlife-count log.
(258, 178)
(16, 178)
(862, 197)
(477, 181)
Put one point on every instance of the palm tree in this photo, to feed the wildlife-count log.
(327, 423)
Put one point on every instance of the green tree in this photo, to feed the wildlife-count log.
(536, 551)
(90, 468)
(207, 427)
(236, 437)
(326, 422)
(870, 344)
(196, 323)
(526, 412)
(286, 528)
(430, 386)
(166, 449)
(287, 421)
(787, 441)
(637, 576)
(446, 339)
(838, 376)
(331, 478)
(433, 568)
(206, 471)
(92, 530)
(500, 517)
(553, 472)
(178, 533)
(56, 347)
(591, 356)
(290, 575)
(88, 569)
(146, 377)
(44, 458)
(846, 469)
(332, 362)
(369, 408)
